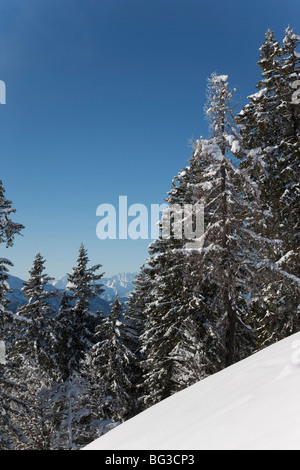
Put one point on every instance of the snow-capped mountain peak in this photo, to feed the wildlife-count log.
(121, 284)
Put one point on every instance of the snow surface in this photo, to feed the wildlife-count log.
(252, 405)
(221, 78)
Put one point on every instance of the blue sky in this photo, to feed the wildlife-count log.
(103, 97)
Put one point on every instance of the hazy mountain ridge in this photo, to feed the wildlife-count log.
(121, 284)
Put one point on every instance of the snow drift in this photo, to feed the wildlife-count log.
(253, 404)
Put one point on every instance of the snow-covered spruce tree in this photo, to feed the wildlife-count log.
(59, 399)
(66, 401)
(83, 285)
(64, 409)
(162, 277)
(199, 349)
(32, 359)
(30, 415)
(6, 317)
(8, 228)
(175, 302)
(131, 336)
(289, 147)
(33, 340)
(136, 318)
(196, 303)
(196, 300)
(107, 362)
(259, 115)
(233, 237)
(64, 344)
(73, 334)
(8, 402)
(270, 124)
(231, 206)
(10, 430)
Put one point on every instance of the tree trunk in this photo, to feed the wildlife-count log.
(227, 276)
(230, 330)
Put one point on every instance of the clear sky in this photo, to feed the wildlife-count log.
(103, 97)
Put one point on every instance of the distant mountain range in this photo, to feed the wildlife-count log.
(121, 284)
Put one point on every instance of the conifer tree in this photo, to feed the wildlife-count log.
(9, 431)
(111, 387)
(29, 413)
(232, 206)
(196, 299)
(8, 228)
(73, 334)
(34, 340)
(270, 125)
(32, 359)
(65, 409)
(290, 154)
(84, 285)
(8, 231)
(6, 317)
(172, 304)
(173, 299)
(64, 399)
(64, 339)
(134, 322)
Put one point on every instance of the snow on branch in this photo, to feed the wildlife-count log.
(260, 238)
(275, 267)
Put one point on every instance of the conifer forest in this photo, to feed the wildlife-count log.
(72, 374)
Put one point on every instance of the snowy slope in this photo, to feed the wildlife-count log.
(253, 404)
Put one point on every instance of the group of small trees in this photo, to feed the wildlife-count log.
(72, 375)
(271, 122)
(71, 370)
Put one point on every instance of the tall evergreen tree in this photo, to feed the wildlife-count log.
(133, 329)
(290, 152)
(74, 333)
(11, 433)
(163, 327)
(63, 398)
(270, 125)
(196, 299)
(64, 339)
(83, 285)
(232, 206)
(32, 357)
(29, 414)
(65, 412)
(173, 298)
(111, 387)
(8, 230)
(34, 340)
